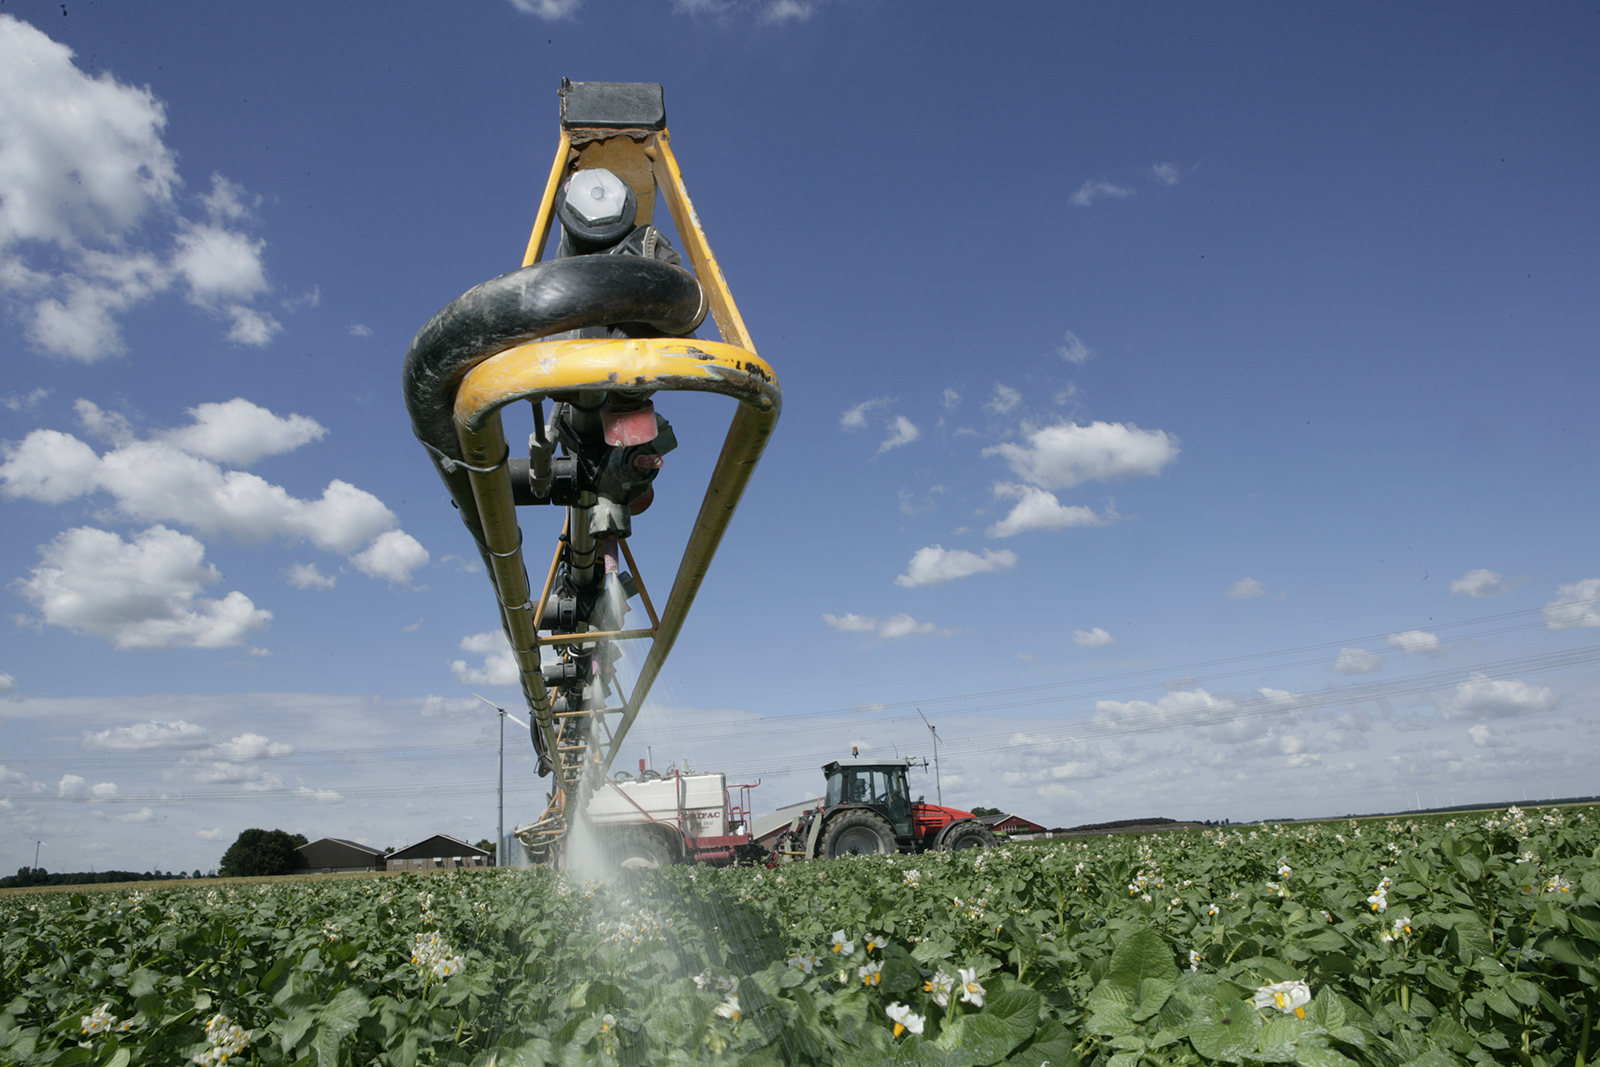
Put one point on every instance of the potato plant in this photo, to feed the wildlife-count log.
(1415, 941)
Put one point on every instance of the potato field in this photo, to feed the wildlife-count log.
(1412, 941)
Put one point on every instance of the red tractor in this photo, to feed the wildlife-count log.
(868, 811)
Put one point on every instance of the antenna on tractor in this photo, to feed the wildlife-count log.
(938, 790)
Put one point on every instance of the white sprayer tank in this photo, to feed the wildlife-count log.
(700, 799)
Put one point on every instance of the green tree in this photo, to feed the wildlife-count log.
(259, 852)
(987, 811)
(487, 846)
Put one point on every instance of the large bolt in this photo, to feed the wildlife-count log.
(597, 195)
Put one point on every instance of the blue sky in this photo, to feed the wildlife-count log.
(1190, 410)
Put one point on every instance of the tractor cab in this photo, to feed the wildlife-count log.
(879, 786)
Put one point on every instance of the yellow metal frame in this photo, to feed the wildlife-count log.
(542, 369)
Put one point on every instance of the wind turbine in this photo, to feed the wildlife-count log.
(938, 789)
(500, 842)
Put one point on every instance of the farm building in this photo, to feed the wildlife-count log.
(1012, 825)
(336, 855)
(438, 851)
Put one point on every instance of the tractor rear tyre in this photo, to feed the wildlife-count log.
(970, 834)
(857, 833)
(638, 849)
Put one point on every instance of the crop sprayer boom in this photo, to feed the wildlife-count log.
(599, 330)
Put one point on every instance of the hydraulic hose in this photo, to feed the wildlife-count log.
(522, 306)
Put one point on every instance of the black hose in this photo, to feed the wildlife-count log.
(525, 305)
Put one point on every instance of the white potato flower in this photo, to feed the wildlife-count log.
(1287, 997)
(971, 991)
(904, 1019)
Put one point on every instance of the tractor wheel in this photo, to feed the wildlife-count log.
(857, 833)
(967, 834)
(634, 849)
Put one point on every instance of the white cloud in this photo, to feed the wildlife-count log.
(248, 746)
(142, 594)
(1245, 588)
(1257, 720)
(147, 735)
(1095, 638)
(25, 401)
(901, 432)
(1005, 399)
(251, 327)
(104, 791)
(1484, 737)
(49, 466)
(1577, 604)
(238, 432)
(855, 418)
(8, 684)
(499, 665)
(219, 265)
(904, 626)
(1477, 583)
(1038, 509)
(155, 482)
(1092, 190)
(71, 785)
(16, 780)
(892, 627)
(213, 834)
(1073, 350)
(1165, 173)
(1481, 698)
(935, 565)
(950, 399)
(1063, 455)
(307, 576)
(1173, 709)
(250, 777)
(787, 11)
(112, 426)
(1358, 661)
(159, 481)
(1416, 642)
(84, 169)
(548, 9)
(320, 796)
(435, 706)
(79, 155)
(358, 330)
(392, 556)
(144, 814)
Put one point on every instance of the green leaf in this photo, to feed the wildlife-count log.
(1153, 993)
(1522, 991)
(142, 981)
(1465, 863)
(294, 1028)
(1469, 939)
(1451, 1034)
(991, 1037)
(1230, 1039)
(1325, 941)
(1497, 999)
(1051, 1046)
(1312, 1055)
(1111, 1009)
(1141, 954)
